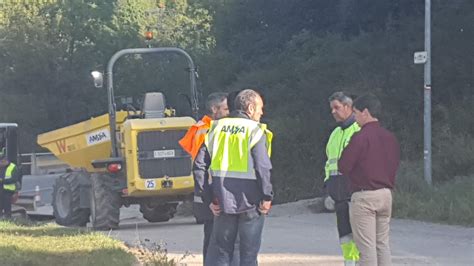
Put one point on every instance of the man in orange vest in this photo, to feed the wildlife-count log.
(216, 108)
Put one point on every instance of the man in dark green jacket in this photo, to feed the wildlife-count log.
(336, 184)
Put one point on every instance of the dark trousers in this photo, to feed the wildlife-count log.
(338, 190)
(247, 226)
(210, 247)
(343, 219)
(207, 237)
(6, 203)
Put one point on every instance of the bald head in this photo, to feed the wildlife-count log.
(251, 103)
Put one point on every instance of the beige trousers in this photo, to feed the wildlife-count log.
(370, 213)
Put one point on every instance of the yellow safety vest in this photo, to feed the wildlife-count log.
(338, 140)
(229, 143)
(268, 136)
(8, 174)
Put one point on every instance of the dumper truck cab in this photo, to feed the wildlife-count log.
(124, 157)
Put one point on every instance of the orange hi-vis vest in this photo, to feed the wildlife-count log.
(194, 138)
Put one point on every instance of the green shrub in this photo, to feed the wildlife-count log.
(450, 202)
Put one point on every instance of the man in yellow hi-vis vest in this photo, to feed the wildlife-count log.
(235, 151)
(337, 184)
(9, 176)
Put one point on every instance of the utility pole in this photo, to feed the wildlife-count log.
(427, 97)
(424, 57)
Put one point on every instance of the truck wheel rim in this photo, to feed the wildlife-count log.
(63, 201)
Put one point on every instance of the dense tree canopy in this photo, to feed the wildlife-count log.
(296, 52)
(48, 50)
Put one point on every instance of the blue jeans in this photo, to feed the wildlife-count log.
(248, 226)
(210, 247)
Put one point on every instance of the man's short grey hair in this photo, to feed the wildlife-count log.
(245, 98)
(342, 97)
(214, 99)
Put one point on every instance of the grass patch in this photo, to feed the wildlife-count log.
(451, 202)
(24, 243)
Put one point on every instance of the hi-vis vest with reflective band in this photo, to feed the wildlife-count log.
(229, 143)
(268, 136)
(338, 140)
(194, 138)
(8, 175)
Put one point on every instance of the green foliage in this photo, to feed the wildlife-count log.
(10, 102)
(175, 23)
(450, 202)
(453, 153)
(49, 48)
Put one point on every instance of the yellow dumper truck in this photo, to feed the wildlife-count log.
(124, 158)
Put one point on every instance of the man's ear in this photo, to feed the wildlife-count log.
(214, 109)
(366, 112)
(251, 108)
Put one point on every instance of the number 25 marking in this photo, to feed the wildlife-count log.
(150, 184)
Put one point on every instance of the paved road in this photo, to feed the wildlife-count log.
(294, 235)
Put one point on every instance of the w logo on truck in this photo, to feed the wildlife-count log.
(98, 137)
(61, 145)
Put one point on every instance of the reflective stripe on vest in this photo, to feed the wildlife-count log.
(268, 136)
(194, 137)
(8, 175)
(229, 142)
(338, 140)
(349, 248)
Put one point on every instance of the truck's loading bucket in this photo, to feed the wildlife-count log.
(79, 144)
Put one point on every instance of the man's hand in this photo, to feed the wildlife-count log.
(216, 210)
(265, 206)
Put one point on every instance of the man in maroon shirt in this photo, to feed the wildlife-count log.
(371, 161)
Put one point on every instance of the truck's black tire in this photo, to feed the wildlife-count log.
(105, 202)
(158, 213)
(66, 200)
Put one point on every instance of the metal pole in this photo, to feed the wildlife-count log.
(427, 95)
